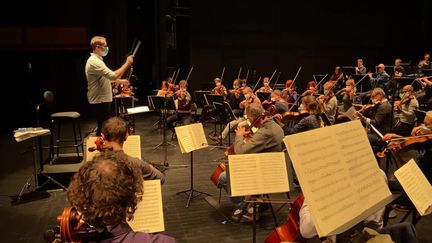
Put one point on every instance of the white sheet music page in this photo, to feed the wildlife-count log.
(416, 186)
(261, 173)
(338, 174)
(131, 147)
(149, 214)
(191, 137)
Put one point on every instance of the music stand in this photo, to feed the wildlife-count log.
(420, 115)
(210, 98)
(199, 97)
(363, 80)
(163, 104)
(224, 113)
(263, 95)
(122, 103)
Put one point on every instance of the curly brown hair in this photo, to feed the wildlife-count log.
(106, 190)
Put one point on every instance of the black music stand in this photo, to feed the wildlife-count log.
(199, 97)
(263, 96)
(363, 80)
(163, 104)
(210, 98)
(225, 115)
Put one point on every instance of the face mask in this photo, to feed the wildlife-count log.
(266, 84)
(326, 92)
(273, 99)
(401, 95)
(374, 101)
(106, 50)
(236, 86)
(247, 96)
(311, 88)
(243, 84)
(218, 84)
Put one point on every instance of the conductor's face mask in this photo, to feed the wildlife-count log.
(105, 51)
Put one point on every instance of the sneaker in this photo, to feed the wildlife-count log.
(216, 138)
(237, 215)
(248, 216)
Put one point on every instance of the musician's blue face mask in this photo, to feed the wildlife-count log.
(105, 52)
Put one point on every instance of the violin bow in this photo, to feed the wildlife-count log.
(271, 77)
(277, 79)
(178, 71)
(239, 73)
(256, 84)
(190, 71)
(295, 77)
(247, 74)
(322, 80)
(223, 72)
(173, 75)
(360, 80)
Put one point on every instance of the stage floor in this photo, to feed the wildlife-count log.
(203, 221)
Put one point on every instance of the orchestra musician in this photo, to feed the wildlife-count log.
(337, 78)
(250, 98)
(106, 191)
(425, 158)
(219, 89)
(426, 84)
(289, 93)
(404, 111)
(311, 121)
(268, 138)
(398, 69)
(114, 134)
(382, 78)
(235, 96)
(183, 105)
(266, 88)
(328, 102)
(360, 68)
(424, 64)
(311, 88)
(380, 118)
(280, 105)
(100, 78)
(164, 90)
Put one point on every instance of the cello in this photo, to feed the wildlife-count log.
(290, 230)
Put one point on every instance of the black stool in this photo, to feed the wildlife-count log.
(57, 119)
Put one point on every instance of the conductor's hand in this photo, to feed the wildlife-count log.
(240, 131)
(129, 60)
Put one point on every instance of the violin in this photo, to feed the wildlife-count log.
(100, 145)
(72, 228)
(366, 108)
(405, 100)
(290, 230)
(294, 115)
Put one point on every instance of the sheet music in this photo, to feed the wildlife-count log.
(339, 175)
(132, 147)
(191, 137)
(139, 109)
(350, 113)
(25, 133)
(149, 214)
(263, 173)
(416, 186)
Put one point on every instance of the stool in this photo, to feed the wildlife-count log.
(73, 118)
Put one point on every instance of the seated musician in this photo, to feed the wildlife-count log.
(337, 78)
(404, 111)
(250, 98)
(219, 89)
(348, 95)
(328, 102)
(310, 106)
(426, 84)
(425, 158)
(280, 105)
(425, 63)
(164, 90)
(311, 88)
(106, 192)
(268, 138)
(360, 68)
(266, 88)
(398, 69)
(381, 79)
(400, 232)
(289, 93)
(114, 134)
(183, 105)
(235, 96)
(380, 117)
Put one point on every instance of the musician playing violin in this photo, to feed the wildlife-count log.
(328, 102)
(266, 86)
(106, 191)
(404, 111)
(311, 121)
(114, 134)
(276, 100)
(219, 88)
(380, 117)
(311, 88)
(425, 158)
(267, 138)
(235, 96)
(183, 105)
(164, 90)
(289, 93)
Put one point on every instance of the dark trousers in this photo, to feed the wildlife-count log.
(401, 233)
(101, 112)
(185, 118)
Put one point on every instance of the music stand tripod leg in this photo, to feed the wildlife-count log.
(190, 192)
